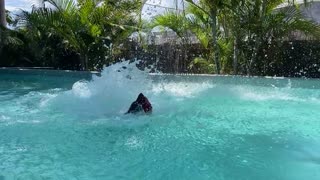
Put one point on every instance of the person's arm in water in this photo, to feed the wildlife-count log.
(134, 108)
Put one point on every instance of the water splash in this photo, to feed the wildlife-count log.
(119, 84)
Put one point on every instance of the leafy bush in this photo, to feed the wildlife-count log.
(201, 66)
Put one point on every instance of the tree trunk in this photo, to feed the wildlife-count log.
(254, 55)
(258, 38)
(213, 14)
(86, 59)
(235, 56)
(3, 21)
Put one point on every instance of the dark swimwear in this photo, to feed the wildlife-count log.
(142, 104)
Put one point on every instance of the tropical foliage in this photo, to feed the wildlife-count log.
(239, 37)
(84, 30)
(239, 33)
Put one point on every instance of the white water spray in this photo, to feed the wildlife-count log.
(118, 86)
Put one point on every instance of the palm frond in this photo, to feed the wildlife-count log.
(64, 5)
(176, 22)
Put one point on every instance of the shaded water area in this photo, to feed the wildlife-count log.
(57, 126)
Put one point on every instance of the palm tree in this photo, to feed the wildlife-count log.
(202, 21)
(212, 8)
(260, 23)
(2, 14)
(7, 37)
(85, 26)
(244, 27)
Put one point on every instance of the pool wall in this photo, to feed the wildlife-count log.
(48, 72)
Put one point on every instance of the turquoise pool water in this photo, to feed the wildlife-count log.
(222, 128)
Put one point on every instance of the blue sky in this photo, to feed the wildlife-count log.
(26, 4)
(13, 5)
(148, 11)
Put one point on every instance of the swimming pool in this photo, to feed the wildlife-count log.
(234, 128)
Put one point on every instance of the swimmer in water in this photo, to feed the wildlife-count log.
(142, 104)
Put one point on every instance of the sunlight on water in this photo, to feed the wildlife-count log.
(201, 127)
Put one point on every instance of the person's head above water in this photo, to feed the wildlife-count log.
(141, 98)
(141, 104)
